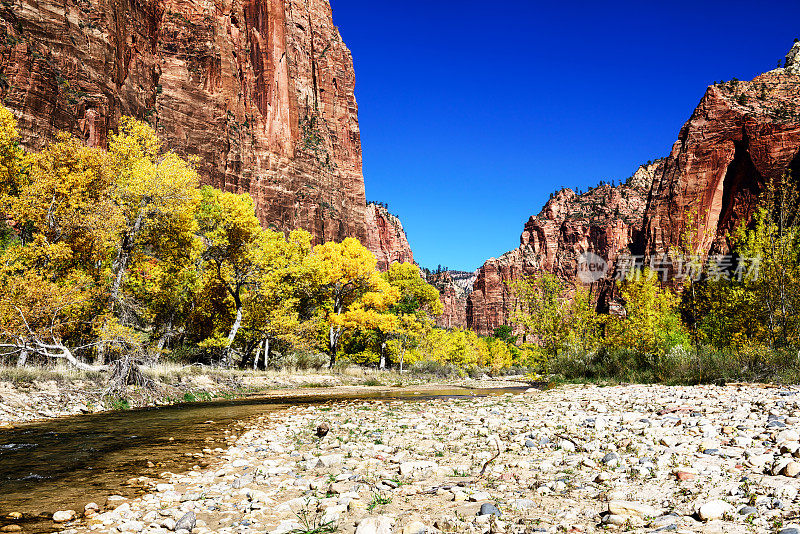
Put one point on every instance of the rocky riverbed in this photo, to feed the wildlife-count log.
(573, 459)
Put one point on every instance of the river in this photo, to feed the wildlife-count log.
(65, 463)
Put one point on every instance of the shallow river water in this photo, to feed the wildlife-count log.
(65, 463)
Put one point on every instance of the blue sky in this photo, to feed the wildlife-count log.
(472, 113)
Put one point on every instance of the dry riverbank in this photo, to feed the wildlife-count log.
(573, 459)
(31, 395)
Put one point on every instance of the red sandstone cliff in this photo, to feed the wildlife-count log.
(260, 90)
(740, 136)
(386, 238)
(605, 220)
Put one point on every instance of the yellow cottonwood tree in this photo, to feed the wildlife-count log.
(418, 302)
(14, 162)
(235, 249)
(157, 194)
(53, 274)
(352, 291)
(274, 311)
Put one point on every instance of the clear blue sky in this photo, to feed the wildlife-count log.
(473, 112)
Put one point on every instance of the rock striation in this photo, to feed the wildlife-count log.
(454, 289)
(261, 90)
(605, 220)
(385, 237)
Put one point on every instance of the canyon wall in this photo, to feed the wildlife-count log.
(605, 220)
(741, 135)
(261, 90)
(386, 238)
(454, 288)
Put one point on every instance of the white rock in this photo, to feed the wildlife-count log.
(787, 435)
(714, 510)
(786, 493)
(331, 460)
(631, 508)
(420, 467)
(286, 526)
(416, 527)
(375, 525)
(62, 516)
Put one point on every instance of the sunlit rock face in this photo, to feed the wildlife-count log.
(605, 220)
(741, 135)
(454, 289)
(385, 237)
(260, 90)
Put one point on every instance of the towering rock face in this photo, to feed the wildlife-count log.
(454, 289)
(260, 90)
(386, 238)
(605, 220)
(742, 135)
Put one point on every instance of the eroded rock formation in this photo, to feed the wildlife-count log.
(386, 238)
(260, 90)
(454, 288)
(741, 135)
(605, 220)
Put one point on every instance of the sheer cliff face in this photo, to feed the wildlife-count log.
(386, 238)
(260, 90)
(742, 135)
(604, 220)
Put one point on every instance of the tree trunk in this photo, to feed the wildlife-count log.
(257, 356)
(124, 255)
(333, 344)
(266, 353)
(46, 350)
(165, 336)
(120, 266)
(382, 364)
(234, 329)
(402, 353)
(22, 358)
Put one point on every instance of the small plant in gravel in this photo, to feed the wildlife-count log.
(396, 480)
(311, 523)
(378, 500)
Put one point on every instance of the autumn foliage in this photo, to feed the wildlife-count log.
(119, 252)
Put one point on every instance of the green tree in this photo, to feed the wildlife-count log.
(542, 310)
